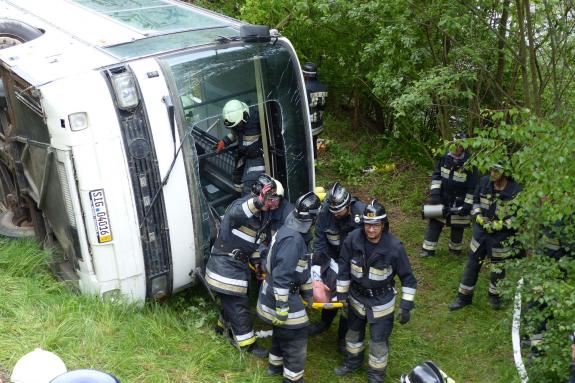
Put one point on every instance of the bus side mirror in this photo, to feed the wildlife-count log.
(255, 33)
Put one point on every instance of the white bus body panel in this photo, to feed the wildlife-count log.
(100, 163)
(57, 54)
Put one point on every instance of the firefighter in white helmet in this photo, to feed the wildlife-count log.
(244, 123)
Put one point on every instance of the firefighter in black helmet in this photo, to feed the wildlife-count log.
(492, 229)
(370, 259)
(227, 272)
(288, 281)
(452, 184)
(340, 214)
(316, 98)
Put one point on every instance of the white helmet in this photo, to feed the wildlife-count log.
(38, 366)
(279, 188)
(234, 112)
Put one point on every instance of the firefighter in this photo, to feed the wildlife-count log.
(492, 229)
(316, 98)
(340, 214)
(227, 271)
(370, 259)
(287, 282)
(244, 123)
(452, 185)
(277, 219)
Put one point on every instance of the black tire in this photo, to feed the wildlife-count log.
(8, 229)
(13, 32)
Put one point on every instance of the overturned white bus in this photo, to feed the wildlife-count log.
(109, 112)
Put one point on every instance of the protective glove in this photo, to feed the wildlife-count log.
(404, 316)
(497, 225)
(341, 297)
(220, 146)
(309, 302)
(281, 316)
(480, 220)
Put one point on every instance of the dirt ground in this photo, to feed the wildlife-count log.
(3, 375)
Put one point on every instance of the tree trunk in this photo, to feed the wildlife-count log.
(522, 53)
(553, 41)
(532, 60)
(501, 41)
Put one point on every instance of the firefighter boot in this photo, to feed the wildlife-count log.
(454, 252)
(460, 302)
(495, 301)
(427, 253)
(257, 351)
(344, 369)
(375, 376)
(275, 370)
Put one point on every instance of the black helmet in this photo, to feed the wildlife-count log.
(426, 372)
(309, 69)
(307, 207)
(374, 213)
(263, 180)
(84, 376)
(339, 198)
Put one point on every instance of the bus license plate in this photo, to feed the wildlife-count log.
(100, 214)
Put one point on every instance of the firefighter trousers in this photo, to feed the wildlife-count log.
(380, 331)
(435, 228)
(288, 353)
(236, 316)
(472, 269)
(327, 317)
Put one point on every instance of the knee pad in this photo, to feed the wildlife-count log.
(378, 353)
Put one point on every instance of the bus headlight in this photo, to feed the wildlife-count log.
(125, 90)
(78, 121)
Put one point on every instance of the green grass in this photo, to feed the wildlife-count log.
(174, 342)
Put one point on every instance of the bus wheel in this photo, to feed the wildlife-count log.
(15, 220)
(14, 32)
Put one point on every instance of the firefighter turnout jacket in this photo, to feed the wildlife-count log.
(330, 233)
(250, 149)
(453, 183)
(369, 279)
(493, 207)
(287, 281)
(240, 234)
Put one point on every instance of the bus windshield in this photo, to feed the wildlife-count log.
(264, 77)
